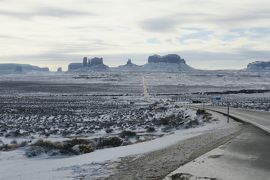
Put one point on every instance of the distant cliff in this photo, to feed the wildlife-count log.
(21, 68)
(259, 66)
(156, 63)
(170, 58)
(94, 64)
(167, 63)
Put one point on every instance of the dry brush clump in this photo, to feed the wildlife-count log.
(206, 116)
(12, 146)
(70, 147)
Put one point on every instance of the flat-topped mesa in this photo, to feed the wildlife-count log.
(12, 68)
(74, 66)
(259, 65)
(95, 61)
(170, 58)
(94, 64)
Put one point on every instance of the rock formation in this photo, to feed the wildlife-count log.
(96, 61)
(129, 62)
(259, 66)
(94, 64)
(85, 61)
(59, 70)
(74, 66)
(156, 63)
(21, 68)
(170, 58)
(129, 66)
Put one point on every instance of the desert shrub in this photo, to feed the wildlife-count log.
(23, 144)
(9, 147)
(14, 141)
(45, 144)
(34, 151)
(192, 123)
(109, 130)
(109, 142)
(162, 109)
(61, 148)
(164, 121)
(200, 112)
(125, 134)
(4, 147)
(83, 148)
(205, 115)
(73, 142)
(13, 134)
(150, 129)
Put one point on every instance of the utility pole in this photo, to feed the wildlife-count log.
(228, 113)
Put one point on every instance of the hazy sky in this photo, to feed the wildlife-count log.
(209, 34)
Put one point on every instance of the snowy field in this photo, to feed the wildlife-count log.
(73, 123)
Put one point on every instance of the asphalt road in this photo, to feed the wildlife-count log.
(260, 119)
(245, 157)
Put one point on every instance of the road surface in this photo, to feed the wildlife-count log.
(260, 119)
(145, 91)
(245, 157)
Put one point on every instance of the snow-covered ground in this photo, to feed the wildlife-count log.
(59, 107)
(15, 165)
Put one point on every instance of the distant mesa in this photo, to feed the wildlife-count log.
(167, 63)
(259, 66)
(170, 58)
(129, 66)
(129, 63)
(21, 69)
(156, 63)
(59, 70)
(75, 66)
(94, 64)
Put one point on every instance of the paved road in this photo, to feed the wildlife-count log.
(245, 157)
(260, 119)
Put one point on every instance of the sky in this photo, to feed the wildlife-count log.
(209, 34)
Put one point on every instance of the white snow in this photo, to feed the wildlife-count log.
(14, 165)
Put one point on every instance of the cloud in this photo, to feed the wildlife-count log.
(161, 24)
(152, 41)
(45, 11)
(199, 34)
(68, 29)
(171, 22)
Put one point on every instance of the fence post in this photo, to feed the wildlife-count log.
(228, 113)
